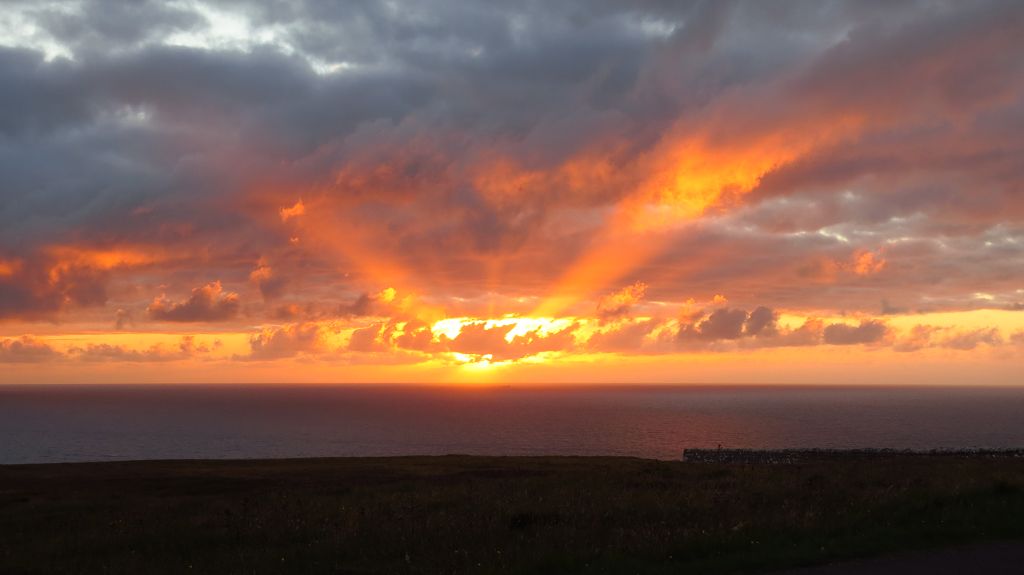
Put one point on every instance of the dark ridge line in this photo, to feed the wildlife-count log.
(775, 456)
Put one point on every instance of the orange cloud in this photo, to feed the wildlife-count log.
(294, 211)
(862, 263)
(827, 180)
(107, 258)
(622, 301)
(9, 267)
(867, 263)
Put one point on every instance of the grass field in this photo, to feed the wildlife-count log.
(461, 514)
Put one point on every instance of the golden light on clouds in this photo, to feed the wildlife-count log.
(292, 211)
(726, 192)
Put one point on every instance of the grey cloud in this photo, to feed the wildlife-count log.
(723, 324)
(208, 303)
(286, 341)
(363, 305)
(869, 331)
(971, 339)
(270, 281)
(628, 337)
(123, 318)
(99, 25)
(187, 348)
(26, 349)
(730, 324)
(139, 141)
(760, 321)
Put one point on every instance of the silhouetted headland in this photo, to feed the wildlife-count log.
(714, 513)
(778, 456)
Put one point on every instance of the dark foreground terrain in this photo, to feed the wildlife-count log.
(461, 514)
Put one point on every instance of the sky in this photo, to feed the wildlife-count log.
(512, 191)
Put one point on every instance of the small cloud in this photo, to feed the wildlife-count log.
(42, 287)
(288, 341)
(968, 340)
(730, 324)
(270, 283)
(293, 212)
(866, 263)
(723, 324)
(506, 342)
(761, 321)
(26, 349)
(927, 336)
(367, 338)
(387, 295)
(187, 348)
(122, 319)
(888, 309)
(287, 312)
(9, 267)
(870, 331)
(862, 263)
(361, 306)
(207, 303)
(621, 302)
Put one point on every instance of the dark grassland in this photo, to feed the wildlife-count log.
(462, 514)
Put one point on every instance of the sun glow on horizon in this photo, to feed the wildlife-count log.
(474, 208)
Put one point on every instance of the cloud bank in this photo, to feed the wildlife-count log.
(597, 164)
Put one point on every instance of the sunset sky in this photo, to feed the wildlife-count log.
(512, 191)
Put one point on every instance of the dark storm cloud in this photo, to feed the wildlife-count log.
(38, 97)
(158, 133)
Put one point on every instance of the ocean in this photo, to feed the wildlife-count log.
(45, 424)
